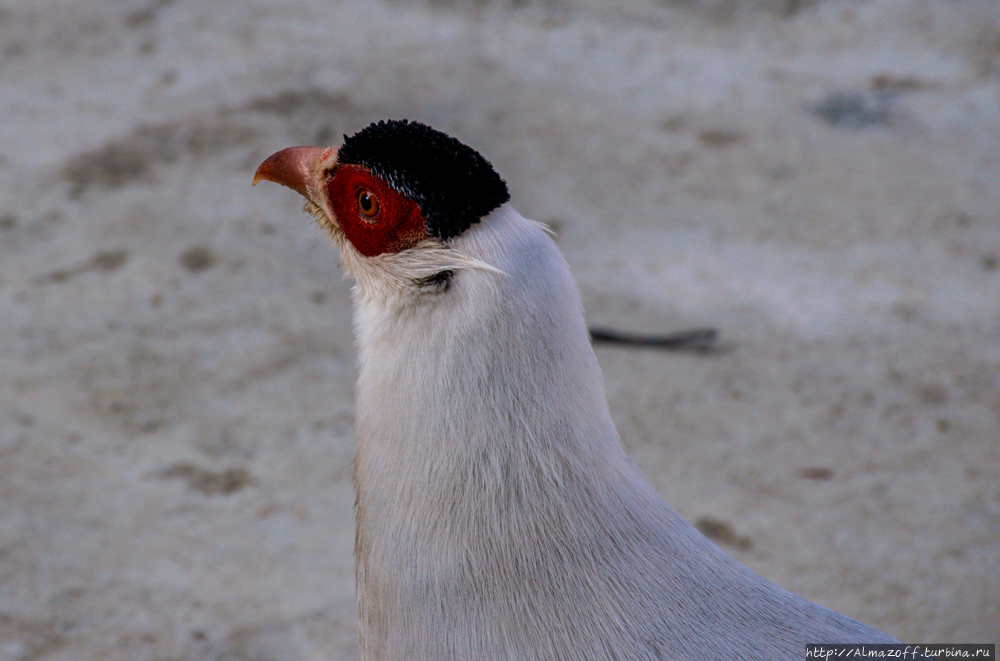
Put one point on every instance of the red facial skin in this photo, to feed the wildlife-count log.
(395, 223)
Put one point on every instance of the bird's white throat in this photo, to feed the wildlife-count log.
(480, 410)
(481, 386)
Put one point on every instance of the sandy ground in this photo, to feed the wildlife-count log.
(818, 181)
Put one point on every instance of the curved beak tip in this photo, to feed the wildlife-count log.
(292, 167)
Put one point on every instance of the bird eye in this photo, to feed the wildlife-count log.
(368, 203)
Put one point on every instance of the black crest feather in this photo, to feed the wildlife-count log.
(451, 182)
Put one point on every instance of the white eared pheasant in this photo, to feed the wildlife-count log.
(497, 514)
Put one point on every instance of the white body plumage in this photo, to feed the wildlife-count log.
(497, 514)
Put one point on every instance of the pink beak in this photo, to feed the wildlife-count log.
(294, 167)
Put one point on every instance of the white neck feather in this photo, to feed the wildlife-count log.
(497, 515)
(477, 388)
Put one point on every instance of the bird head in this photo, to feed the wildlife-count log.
(393, 187)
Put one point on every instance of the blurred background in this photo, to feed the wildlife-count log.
(818, 180)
